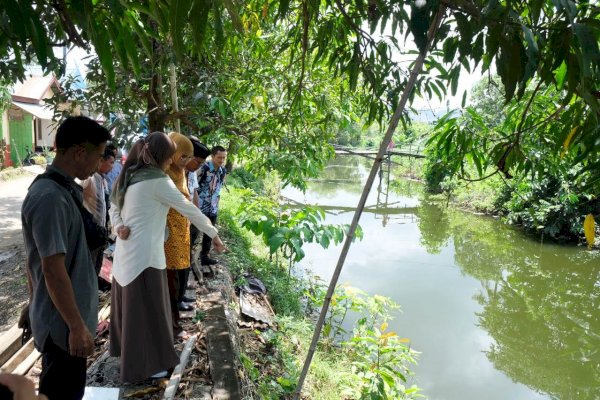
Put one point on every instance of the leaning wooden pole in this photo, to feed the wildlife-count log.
(174, 98)
(416, 70)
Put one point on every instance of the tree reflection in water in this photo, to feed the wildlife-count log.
(541, 305)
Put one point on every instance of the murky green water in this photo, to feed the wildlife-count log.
(496, 315)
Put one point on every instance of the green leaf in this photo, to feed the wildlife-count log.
(454, 76)
(178, 14)
(284, 6)
(418, 25)
(588, 48)
(199, 21)
(324, 241)
(297, 246)
(13, 9)
(38, 38)
(102, 45)
(535, 7)
(532, 52)
(160, 14)
(275, 242)
(117, 44)
(218, 27)
(510, 65)
(141, 35)
(560, 74)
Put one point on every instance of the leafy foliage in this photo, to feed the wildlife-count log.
(360, 43)
(554, 206)
(286, 230)
(247, 255)
(380, 364)
(554, 186)
(32, 30)
(379, 357)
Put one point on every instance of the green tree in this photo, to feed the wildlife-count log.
(555, 42)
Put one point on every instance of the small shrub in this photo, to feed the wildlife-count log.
(39, 160)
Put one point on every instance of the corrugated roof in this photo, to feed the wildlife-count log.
(39, 111)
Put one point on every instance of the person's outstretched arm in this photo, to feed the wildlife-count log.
(167, 193)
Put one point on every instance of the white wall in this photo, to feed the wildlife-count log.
(48, 128)
(48, 133)
(5, 126)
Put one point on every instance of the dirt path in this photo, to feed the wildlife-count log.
(13, 284)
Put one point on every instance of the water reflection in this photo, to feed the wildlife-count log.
(434, 225)
(541, 306)
(532, 310)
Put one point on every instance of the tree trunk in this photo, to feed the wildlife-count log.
(174, 99)
(156, 109)
(156, 115)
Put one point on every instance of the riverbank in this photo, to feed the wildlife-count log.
(343, 363)
(548, 209)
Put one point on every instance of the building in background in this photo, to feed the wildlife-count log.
(28, 123)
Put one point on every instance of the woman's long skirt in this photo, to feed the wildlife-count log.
(140, 328)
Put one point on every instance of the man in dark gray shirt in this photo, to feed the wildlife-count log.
(63, 284)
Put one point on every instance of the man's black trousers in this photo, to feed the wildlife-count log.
(63, 375)
(206, 240)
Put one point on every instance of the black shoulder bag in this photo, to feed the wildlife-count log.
(96, 235)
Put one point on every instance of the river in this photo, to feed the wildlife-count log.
(494, 313)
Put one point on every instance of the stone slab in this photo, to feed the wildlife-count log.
(101, 393)
(221, 355)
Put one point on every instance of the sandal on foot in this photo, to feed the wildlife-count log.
(161, 374)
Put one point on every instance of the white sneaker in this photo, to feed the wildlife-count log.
(161, 374)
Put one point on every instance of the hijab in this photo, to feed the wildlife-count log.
(133, 175)
(184, 146)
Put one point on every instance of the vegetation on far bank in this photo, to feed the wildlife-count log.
(545, 187)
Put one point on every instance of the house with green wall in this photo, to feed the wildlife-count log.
(28, 122)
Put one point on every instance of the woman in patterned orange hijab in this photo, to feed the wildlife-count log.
(177, 245)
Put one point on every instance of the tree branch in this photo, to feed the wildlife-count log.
(177, 114)
(520, 128)
(463, 5)
(479, 179)
(68, 25)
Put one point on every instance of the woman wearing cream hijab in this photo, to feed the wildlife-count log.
(178, 243)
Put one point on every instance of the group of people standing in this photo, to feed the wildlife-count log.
(152, 202)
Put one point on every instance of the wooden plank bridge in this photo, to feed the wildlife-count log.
(341, 150)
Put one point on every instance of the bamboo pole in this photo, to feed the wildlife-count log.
(173, 384)
(174, 98)
(363, 199)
